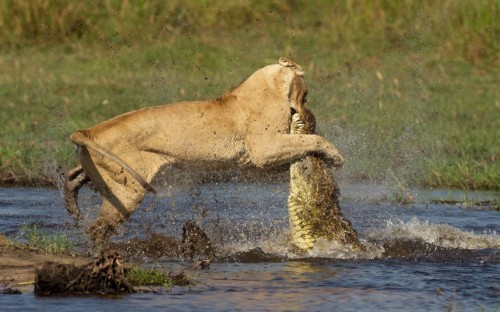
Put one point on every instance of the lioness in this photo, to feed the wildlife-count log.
(247, 127)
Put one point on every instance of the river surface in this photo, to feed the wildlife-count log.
(423, 256)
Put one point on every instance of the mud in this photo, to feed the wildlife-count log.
(417, 250)
(254, 255)
(10, 179)
(493, 205)
(194, 245)
(157, 246)
(10, 291)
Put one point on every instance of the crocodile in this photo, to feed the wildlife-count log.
(313, 202)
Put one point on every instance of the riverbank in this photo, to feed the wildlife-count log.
(18, 265)
(407, 102)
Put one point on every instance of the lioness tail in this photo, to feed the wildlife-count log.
(80, 139)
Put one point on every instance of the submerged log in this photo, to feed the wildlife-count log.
(313, 203)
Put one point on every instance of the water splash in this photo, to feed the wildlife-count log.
(413, 238)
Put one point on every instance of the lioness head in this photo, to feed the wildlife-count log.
(281, 83)
(285, 80)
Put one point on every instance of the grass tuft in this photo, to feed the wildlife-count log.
(41, 240)
(148, 277)
(5, 242)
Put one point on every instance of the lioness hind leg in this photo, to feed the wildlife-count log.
(121, 192)
(102, 229)
(75, 179)
(119, 202)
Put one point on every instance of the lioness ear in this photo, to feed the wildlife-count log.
(289, 62)
(286, 62)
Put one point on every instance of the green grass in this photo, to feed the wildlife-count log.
(6, 242)
(404, 88)
(149, 277)
(45, 242)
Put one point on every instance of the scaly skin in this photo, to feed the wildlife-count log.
(313, 203)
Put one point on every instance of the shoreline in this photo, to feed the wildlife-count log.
(12, 181)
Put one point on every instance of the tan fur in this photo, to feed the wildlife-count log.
(248, 127)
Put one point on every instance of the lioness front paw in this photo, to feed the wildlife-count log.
(338, 161)
(334, 158)
(335, 161)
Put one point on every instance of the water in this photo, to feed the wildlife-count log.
(420, 257)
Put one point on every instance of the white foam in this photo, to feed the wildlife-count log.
(441, 235)
(332, 249)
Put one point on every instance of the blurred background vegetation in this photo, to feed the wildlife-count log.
(408, 90)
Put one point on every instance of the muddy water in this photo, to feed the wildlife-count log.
(420, 257)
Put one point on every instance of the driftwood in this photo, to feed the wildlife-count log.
(106, 275)
(313, 203)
